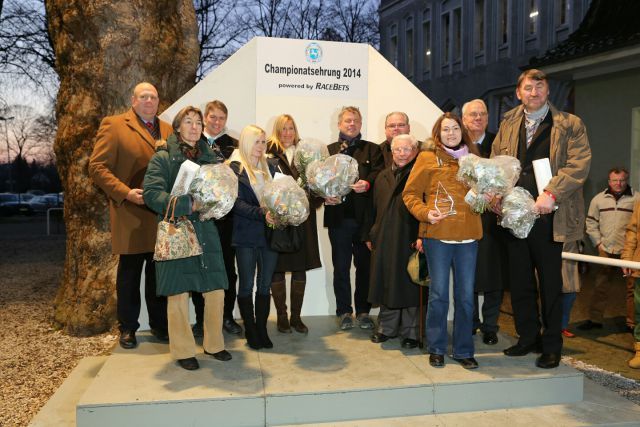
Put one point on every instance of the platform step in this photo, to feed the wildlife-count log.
(326, 376)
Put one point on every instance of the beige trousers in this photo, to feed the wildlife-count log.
(181, 341)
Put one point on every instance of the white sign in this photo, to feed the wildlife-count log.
(314, 69)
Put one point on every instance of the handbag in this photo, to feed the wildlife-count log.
(176, 237)
(287, 239)
(417, 268)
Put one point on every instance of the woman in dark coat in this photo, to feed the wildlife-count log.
(253, 253)
(390, 239)
(282, 145)
(204, 273)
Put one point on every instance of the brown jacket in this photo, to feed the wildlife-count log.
(570, 161)
(118, 164)
(631, 250)
(431, 168)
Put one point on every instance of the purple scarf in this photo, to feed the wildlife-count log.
(457, 153)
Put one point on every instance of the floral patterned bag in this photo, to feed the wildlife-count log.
(176, 237)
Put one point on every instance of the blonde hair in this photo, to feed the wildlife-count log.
(278, 127)
(248, 137)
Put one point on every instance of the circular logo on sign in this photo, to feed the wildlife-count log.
(313, 52)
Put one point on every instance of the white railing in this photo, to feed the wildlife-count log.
(601, 260)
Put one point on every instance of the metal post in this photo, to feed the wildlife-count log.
(6, 136)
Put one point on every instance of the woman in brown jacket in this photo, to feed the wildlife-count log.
(450, 233)
(631, 252)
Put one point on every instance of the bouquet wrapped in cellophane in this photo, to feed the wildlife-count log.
(487, 177)
(518, 213)
(215, 189)
(333, 176)
(286, 201)
(306, 153)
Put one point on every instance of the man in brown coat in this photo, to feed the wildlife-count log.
(124, 145)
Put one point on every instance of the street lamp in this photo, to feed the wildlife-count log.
(6, 136)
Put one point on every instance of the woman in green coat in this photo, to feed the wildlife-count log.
(204, 273)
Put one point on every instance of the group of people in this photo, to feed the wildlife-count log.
(406, 198)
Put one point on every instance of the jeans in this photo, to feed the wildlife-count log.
(567, 304)
(248, 259)
(441, 257)
(345, 243)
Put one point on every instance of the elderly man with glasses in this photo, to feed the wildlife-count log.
(396, 123)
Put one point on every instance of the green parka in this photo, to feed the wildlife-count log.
(203, 273)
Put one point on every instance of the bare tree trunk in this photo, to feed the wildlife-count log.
(103, 48)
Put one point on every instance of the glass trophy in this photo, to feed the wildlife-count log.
(444, 201)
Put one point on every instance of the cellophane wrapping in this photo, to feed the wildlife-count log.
(286, 201)
(518, 213)
(215, 189)
(306, 153)
(333, 176)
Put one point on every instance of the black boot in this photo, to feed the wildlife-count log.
(263, 303)
(246, 312)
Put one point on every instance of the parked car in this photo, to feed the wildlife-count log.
(40, 204)
(15, 204)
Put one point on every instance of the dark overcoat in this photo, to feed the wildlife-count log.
(308, 257)
(391, 235)
(202, 273)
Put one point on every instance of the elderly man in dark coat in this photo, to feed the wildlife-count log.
(390, 237)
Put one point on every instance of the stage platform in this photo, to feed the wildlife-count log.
(327, 376)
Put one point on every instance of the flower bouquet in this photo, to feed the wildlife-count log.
(487, 177)
(215, 189)
(518, 214)
(306, 153)
(286, 201)
(334, 176)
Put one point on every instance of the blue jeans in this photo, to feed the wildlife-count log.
(441, 257)
(567, 304)
(248, 259)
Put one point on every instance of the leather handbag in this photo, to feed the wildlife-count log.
(286, 240)
(176, 237)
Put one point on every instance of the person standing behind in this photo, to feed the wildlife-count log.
(389, 239)
(124, 146)
(537, 130)
(281, 147)
(490, 267)
(203, 273)
(608, 215)
(631, 252)
(345, 218)
(450, 233)
(215, 130)
(396, 123)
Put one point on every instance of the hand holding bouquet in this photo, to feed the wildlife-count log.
(214, 190)
(285, 201)
(518, 213)
(334, 176)
(306, 153)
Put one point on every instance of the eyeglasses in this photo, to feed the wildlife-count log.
(403, 150)
(396, 125)
(475, 114)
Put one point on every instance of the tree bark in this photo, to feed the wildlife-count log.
(103, 49)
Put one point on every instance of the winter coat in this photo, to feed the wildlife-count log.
(308, 257)
(631, 250)
(202, 273)
(118, 163)
(391, 235)
(607, 219)
(570, 159)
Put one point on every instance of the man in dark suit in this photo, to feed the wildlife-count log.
(215, 130)
(396, 123)
(345, 218)
(124, 145)
(490, 269)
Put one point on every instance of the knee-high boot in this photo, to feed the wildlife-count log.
(245, 304)
(263, 304)
(279, 294)
(297, 297)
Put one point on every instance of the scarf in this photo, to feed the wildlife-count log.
(191, 153)
(457, 152)
(347, 144)
(532, 121)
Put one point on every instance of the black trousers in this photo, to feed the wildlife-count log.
(128, 293)
(225, 228)
(537, 253)
(490, 311)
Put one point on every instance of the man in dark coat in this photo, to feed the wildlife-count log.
(490, 266)
(215, 122)
(389, 240)
(396, 123)
(345, 217)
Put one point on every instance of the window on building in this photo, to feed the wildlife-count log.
(446, 38)
(457, 34)
(393, 45)
(503, 22)
(532, 18)
(410, 53)
(478, 27)
(426, 42)
(562, 12)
